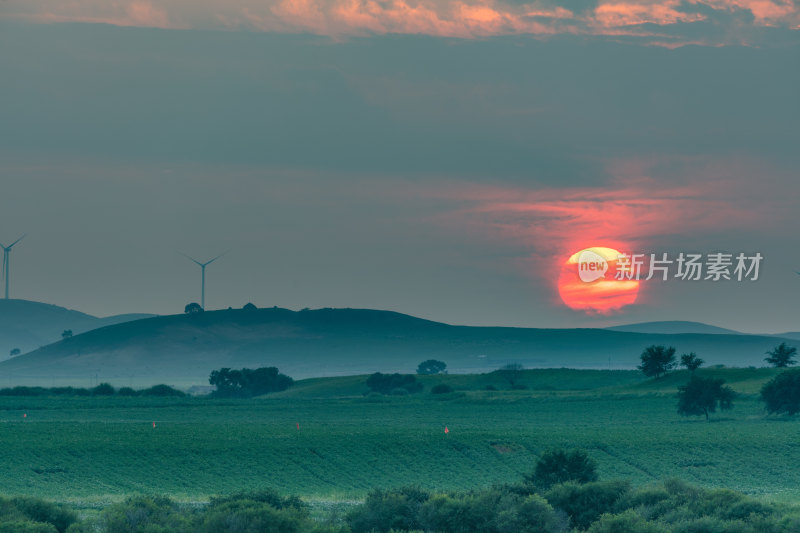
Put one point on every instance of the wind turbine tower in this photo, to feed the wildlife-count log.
(7, 260)
(203, 276)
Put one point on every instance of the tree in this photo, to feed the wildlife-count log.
(250, 307)
(657, 360)
(691, 361)
(246, 383)
(193, 309)
(511, 372)
(66, 334)
(432, 366)
(781, 356)
(703, 395)
(560, 466)
(14, 351)
(782, 393)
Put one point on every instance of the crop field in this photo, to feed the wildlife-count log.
(325, 441)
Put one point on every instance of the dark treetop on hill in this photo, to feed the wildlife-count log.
(657, 360)
(432, 366)
(691, 361)
(781, 356)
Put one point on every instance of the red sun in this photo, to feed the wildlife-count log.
(605, 294)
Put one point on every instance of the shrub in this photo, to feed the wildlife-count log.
(559, 466)
(26, 526)
(585, 503)
(268, 496)
(127, 391)
(248, 516)
(441, 388)
(145, 514)
(104, 389)
(26, 514)
(386, 510)
(41, 511)
(496, 510)
(161, 390)
(627, 522)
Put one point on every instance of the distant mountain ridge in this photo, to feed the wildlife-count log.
(308, 343)
(27, 325)
(674, 327)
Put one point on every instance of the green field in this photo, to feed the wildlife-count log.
(92, 450)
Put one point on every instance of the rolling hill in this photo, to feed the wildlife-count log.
(183, 349)
(28, 325)
(673, 327)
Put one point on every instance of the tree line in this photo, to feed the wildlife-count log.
(704, 395)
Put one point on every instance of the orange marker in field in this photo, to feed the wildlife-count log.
(446, 431)
(24, 415)
(154, 425)
(298, 425)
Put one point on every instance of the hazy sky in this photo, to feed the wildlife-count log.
(439, 158)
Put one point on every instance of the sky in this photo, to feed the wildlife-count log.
(437, 158)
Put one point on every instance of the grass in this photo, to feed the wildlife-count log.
(94, 450)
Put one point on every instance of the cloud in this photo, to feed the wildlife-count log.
(441, 18)
(641, 210)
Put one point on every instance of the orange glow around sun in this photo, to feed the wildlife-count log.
(603, 295)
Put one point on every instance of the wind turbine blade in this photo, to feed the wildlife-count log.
(15, 242)
(192, 259)
(220, 255)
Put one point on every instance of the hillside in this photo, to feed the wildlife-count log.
(673, 327)
(28, 325)
(182, 349)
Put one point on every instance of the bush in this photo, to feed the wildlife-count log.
(441, 388)
(496, 510)
(585, 503)
(127, 391)
(782, 393)
(268, 496)
(104, 389)
(386, 510)
(145, 514)
(26, 526)
(559, 466)
(33, 515)
(627, 522)
(248, 516)
(161, 390)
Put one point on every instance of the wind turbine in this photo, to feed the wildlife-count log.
(203, 275)
(7, 260)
